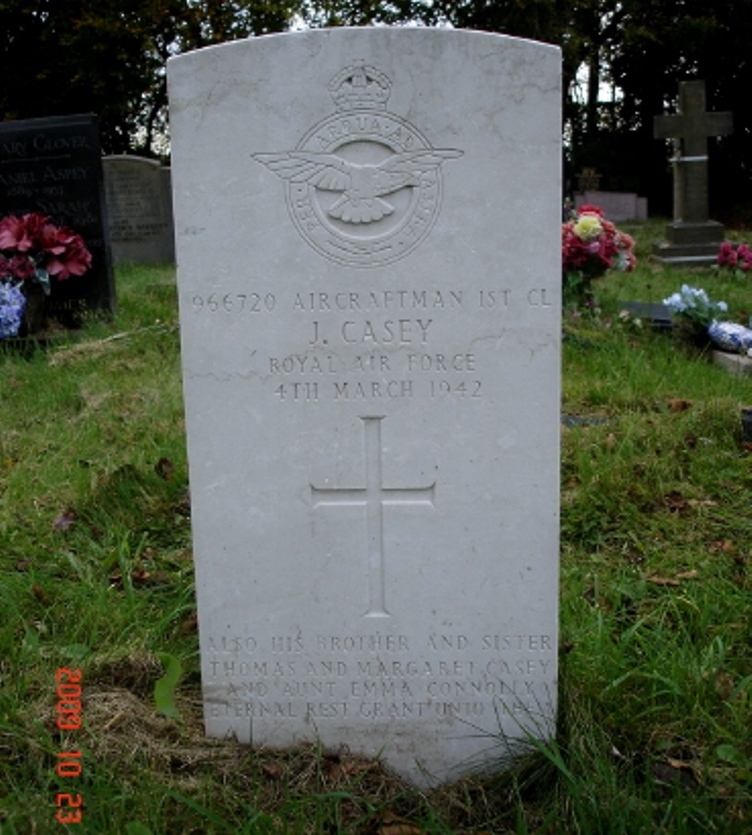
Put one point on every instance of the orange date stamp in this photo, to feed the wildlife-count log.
(69, 766)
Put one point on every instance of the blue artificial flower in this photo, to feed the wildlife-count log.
(12, 304)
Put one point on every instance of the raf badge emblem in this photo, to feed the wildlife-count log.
(363, 186)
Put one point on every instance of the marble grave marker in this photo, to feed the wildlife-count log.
(368, 242)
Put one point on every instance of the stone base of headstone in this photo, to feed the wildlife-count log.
(690, 244)
(736, 364)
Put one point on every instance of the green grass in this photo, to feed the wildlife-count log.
(656, 650)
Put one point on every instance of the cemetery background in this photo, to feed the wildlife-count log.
(618, 73)
(655, 646)
(655, 653)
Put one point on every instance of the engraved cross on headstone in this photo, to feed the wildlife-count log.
(690, 129)
(374, 497)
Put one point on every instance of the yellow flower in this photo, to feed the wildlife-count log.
(588, 227)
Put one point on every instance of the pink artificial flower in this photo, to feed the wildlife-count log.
(73, 258)
(14, 235)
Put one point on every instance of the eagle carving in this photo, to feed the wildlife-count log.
(361, 186)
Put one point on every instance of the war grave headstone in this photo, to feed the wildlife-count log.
(53, 166)
(692, 238)
(139, 209)
(368, 241)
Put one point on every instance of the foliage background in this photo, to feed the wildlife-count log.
(73, 56)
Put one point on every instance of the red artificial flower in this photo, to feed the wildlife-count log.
(590, 209)
(36, 242)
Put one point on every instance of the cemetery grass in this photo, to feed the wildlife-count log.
(656, 659)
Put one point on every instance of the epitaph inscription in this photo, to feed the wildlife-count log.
(363, 186)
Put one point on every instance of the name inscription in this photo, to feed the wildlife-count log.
(359, 345)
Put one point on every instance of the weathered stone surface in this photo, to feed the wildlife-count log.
(139, 210)
(368, 232)
(617, 205)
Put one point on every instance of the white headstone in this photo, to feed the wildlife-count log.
(368, 228)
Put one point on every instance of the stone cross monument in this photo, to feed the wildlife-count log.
(692, 238)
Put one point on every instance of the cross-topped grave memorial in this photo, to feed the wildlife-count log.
(369, 269)
(692, 238)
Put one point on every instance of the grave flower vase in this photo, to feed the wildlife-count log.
(34, 317)
(690, 335)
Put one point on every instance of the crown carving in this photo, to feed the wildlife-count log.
(360, 87)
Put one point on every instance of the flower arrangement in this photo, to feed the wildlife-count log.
(694, 305)
(737, 257)
(693, 313)
(33, 249)
(591, 245)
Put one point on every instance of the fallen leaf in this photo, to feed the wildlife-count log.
(64, 521)
(350, 767)
(674, 501)
(164, 468)
(189, 625)
(22, 565)
(272, 771)
(679, 405)
(724, 685)
(41, 595)
(688, 575)
(724, 546)
(662, 581)
(702, 503)
(392, 825)
(611, 440)
(679, 763)
(401, 829)
(141, 577)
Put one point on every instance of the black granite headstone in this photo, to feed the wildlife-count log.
(53, 166)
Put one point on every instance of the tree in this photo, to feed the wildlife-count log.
(64, 56)
(74, 56)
